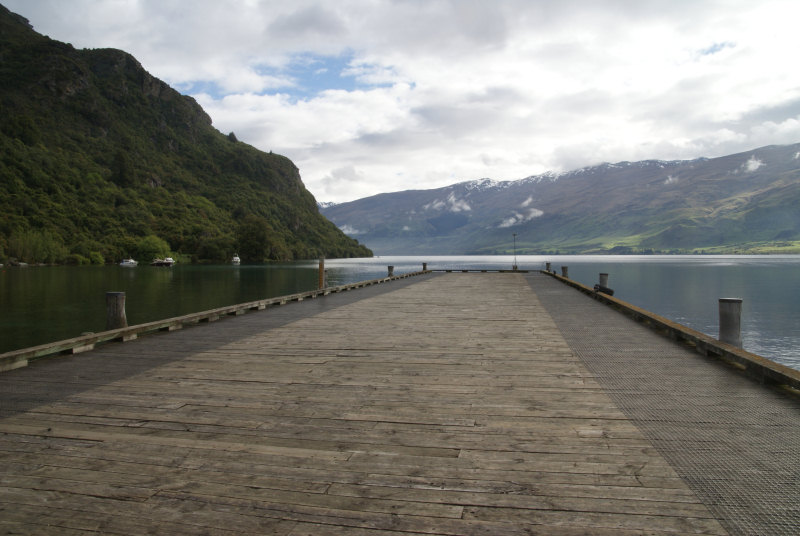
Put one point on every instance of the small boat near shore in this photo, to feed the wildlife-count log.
(167, 261)
(236, 260)
(129, 263)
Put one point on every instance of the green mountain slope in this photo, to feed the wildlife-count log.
(745, 203)
(100, 160)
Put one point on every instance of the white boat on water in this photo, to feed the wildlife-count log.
(129, 262)
(236, 259)
(167, 261)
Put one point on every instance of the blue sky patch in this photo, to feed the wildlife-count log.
(306, 76)
(313, 74)
(716, 47)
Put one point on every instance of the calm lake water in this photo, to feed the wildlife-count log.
(43, 304)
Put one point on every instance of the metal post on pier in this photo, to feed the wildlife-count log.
(547, 267)
(391, 271)
(730, 321)
(565, 271)
(115, 310)
(602, 285)
(515, 252)
(424, 266)
(322, 282)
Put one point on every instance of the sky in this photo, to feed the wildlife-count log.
(373, 96)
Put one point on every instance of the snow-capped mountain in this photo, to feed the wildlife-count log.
(746, 200)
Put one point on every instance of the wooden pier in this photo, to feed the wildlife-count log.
(443, 404)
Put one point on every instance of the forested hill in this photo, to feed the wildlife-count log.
(99, 160)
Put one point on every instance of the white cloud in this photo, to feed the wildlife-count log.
(457, 205)
(753, 164)
(434, 205)
(513, 220)
(518, 218)
(350, 230)
(451, 204)
(385, 95)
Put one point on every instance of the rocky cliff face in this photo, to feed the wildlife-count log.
(111, 154)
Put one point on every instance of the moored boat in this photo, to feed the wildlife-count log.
(167, 261)
(129, 262)
(236, 259)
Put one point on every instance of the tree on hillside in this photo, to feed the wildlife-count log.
(36, 246)
(151, 247)
(258, 241)
(252, 238)
(122, 172)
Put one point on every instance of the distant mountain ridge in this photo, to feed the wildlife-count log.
(747, 202)
(99, 160)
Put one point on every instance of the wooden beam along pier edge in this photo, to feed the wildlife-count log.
(752, 365)
(483, 271)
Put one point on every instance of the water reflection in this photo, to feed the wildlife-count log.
(45, 304)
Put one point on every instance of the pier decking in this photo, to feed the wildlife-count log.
(458, 404)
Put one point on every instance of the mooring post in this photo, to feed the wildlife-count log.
(424, 266)
(602, 285)
(565, 271)
(391, 271)
(322, 282)
(115, 310)
(730, 321)
(547, 267)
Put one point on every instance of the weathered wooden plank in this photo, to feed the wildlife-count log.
(49, 512)
(147, 476)
(527, 462)
(482, 483)
(527, 501)
(593, 520)
(75, 486)
(186, 440)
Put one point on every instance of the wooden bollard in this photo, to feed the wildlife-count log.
(565, 271)
(547, 267)
(424, 266)
(603, 280)
(115, 310)
(322, 282)
(730, 321)
(391, 271)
